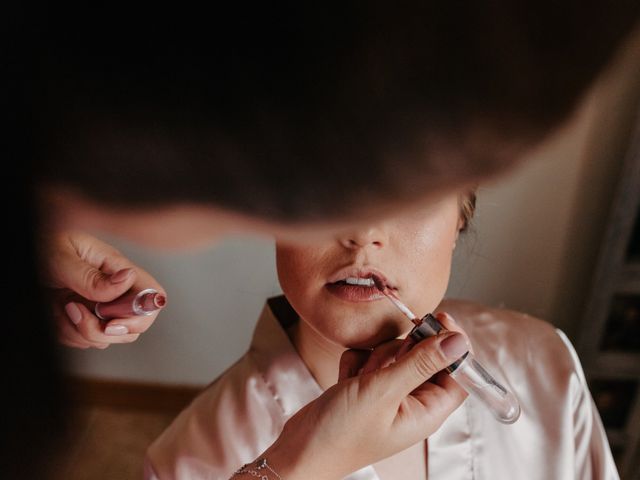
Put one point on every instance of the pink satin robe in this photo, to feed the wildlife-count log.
(558, 436)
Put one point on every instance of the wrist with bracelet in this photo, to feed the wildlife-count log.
(260, 469)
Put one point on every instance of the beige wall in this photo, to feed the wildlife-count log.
(538, 228)
(533, 248)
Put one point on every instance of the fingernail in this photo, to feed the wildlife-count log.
(121, 275)
(116, 330)
(454, 346)
(73, 312)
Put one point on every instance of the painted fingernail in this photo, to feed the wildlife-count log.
(73, 312)
(116, 330)
(121, 275)
(454, 346)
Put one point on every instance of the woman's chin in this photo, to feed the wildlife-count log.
(368, 340)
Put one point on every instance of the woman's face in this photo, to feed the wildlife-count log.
(412, 252)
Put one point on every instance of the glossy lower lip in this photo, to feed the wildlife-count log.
(355, 293)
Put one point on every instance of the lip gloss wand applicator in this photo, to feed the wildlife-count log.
(467, 371)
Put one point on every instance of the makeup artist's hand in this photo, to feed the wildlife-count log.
(378, 408)
(84, 270)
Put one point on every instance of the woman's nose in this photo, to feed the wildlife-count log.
(371, 237)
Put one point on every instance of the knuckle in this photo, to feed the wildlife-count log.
(91, 278)
(426, 364)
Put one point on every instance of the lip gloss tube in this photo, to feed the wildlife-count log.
(132, 304)
(472, 376)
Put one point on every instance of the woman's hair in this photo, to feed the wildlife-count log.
(301, 111)
(467, 208)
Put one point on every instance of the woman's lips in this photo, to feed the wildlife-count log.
(354, 293)
(357, 284)
(359, 273)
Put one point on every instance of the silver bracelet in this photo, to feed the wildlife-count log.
(258, 469)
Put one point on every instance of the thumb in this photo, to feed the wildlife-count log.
(92, 283)
(423, 361)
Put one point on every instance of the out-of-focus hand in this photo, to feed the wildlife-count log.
(83, 270)
(379, 407)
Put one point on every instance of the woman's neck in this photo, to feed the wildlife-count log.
(321, 356)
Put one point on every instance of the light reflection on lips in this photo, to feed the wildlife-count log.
(352, 271)
(341, 284)
(354, 293)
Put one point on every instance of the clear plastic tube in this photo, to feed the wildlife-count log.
(473, 377)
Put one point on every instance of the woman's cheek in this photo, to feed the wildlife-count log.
(432, 279)
(289, 262)
(300, 271)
